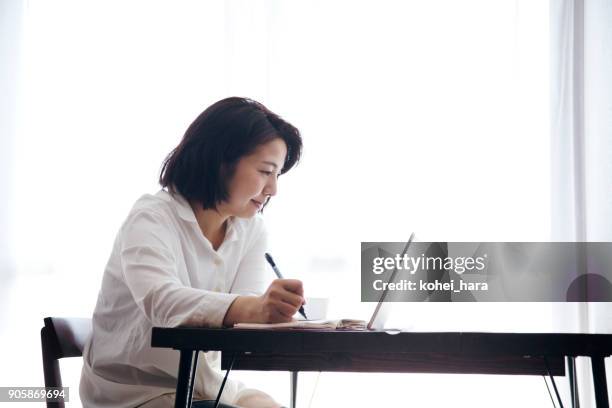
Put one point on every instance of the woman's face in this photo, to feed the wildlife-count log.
(255, 179)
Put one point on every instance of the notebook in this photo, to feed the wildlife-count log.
(340, 324)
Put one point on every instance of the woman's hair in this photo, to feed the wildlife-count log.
(205, 160)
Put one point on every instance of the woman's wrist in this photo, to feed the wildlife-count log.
(242, 310)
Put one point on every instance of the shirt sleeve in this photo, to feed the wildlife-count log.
(252, 278)
(148, 258)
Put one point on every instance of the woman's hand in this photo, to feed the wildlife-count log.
(280, 302)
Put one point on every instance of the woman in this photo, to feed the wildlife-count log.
(193, 254)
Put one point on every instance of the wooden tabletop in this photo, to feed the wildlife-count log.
(379, 351)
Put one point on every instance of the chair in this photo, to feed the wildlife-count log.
(65, 337)
(61, 338)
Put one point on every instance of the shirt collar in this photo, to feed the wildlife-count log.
(184, 210)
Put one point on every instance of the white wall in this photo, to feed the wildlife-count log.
(419, 116)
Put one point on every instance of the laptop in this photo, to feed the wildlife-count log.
(382, 311)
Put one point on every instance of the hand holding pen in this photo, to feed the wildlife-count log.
(280, 276)
(277, 305)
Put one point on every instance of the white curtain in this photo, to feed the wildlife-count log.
(10, 50)
(426, 116)
(581, 129)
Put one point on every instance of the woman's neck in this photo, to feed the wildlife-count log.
(213, 224)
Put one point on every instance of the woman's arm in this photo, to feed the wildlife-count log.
(149, 265)
(280, 302)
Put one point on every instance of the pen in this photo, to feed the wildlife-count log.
(280, 276)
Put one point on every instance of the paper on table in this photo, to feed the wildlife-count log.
(340, 324)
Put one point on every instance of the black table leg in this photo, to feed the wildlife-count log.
(599, 381)
(293, 390)
(573, 381)
(186, 376)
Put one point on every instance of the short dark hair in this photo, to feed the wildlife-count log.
(205, 160)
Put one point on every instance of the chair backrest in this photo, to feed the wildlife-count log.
(61, 337)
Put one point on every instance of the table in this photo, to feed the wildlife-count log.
(379, 351)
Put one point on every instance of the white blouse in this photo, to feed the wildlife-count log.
(164, 272)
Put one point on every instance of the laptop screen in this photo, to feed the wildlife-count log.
(382, 310)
